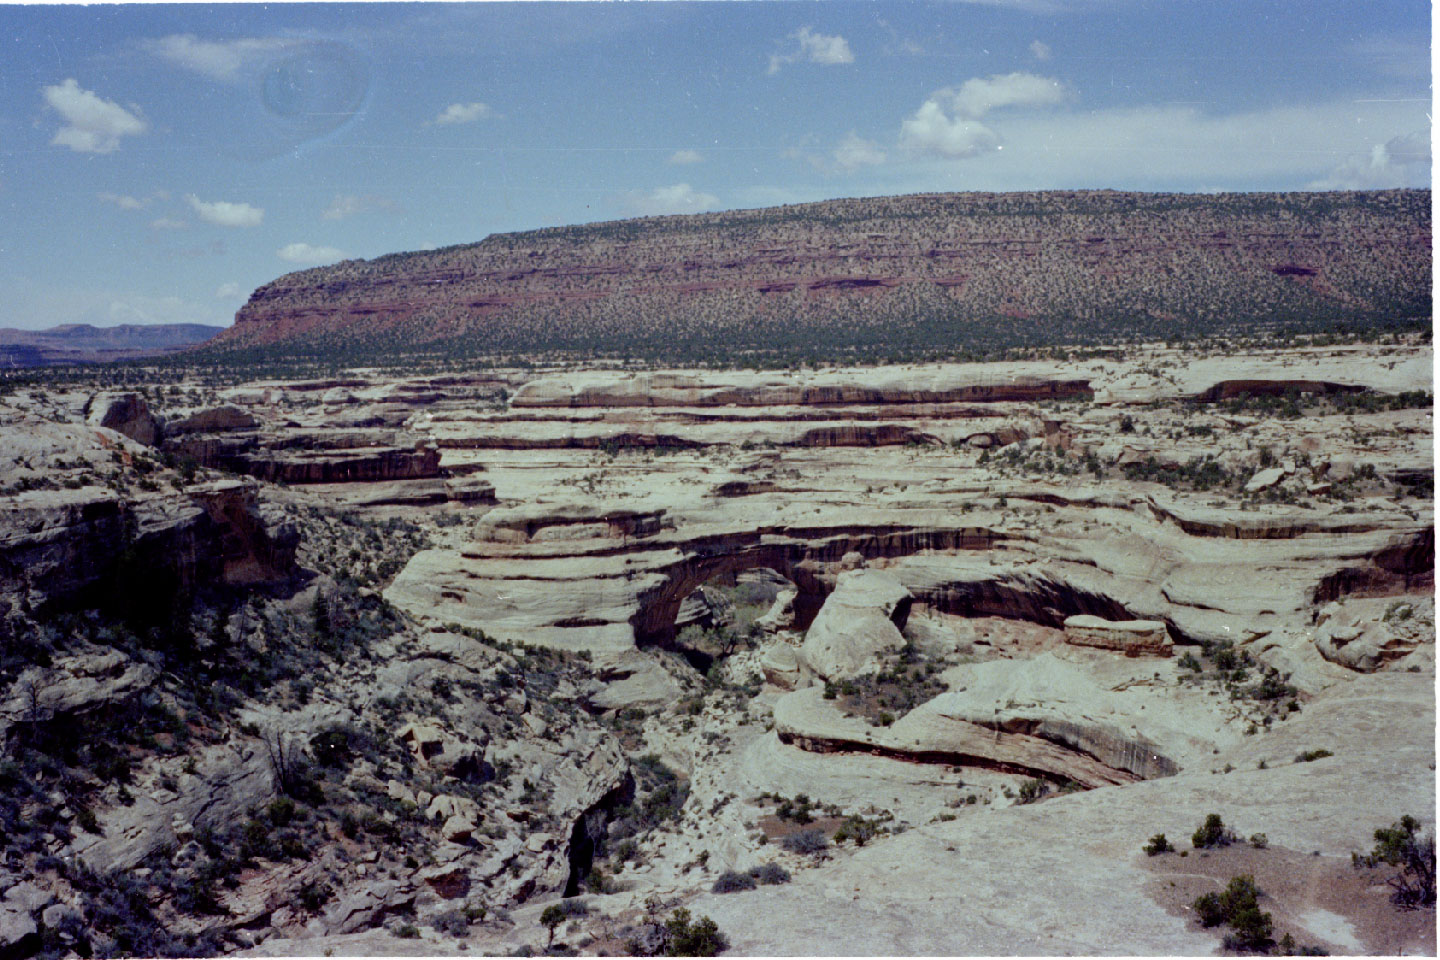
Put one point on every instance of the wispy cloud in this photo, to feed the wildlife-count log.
(814, 48)
(855, 151)
(167, 223)
(1040, 50)
(679, 198)
(227, 291)
(1398, 162)
(348, 205)
(680, 157)
(948, 122)
(464, 113)
(226, 214)
(123, 201)
(92, 124)
(216, 59)
(308, 254)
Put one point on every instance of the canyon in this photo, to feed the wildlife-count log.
(407, 659)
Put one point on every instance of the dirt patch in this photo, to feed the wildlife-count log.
(775, 829)
(1319, 900)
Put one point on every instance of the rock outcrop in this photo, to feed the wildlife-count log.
(860, 620)
(1131, 637)
(125, 413)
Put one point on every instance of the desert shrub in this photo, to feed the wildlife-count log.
(806, 841)
(857, 828)
(1239, 907)
(1400, 845)
(692, 938)
(770, 874)
(1032, 790)
(732, 882)
(1259, 841)
(1212, 833)
(1310, 755)
(1158, 845)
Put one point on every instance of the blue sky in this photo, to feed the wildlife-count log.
(157, 163)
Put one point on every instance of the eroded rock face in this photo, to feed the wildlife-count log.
(1132, 637)
(860, 269)
(64, 542)
(127, 414)
(859, 621)
(1370, 634)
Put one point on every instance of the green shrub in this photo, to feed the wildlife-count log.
(1212, 833)
(1032, 790)
(1239, 907)
(1157, 845)
(687, 938)
(1400, 845)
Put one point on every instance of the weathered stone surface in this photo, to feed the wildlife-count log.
(1131, 637)
(1265, 479)
(210, 420)
(858, 622)
(1369, 634)
(74, 685)
(127, 414)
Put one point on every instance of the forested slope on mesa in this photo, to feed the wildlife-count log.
(893, 276)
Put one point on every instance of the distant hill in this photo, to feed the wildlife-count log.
(897, 276)
(83, 343)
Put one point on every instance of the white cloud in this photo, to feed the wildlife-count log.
(685, 156)
(464, 113)
(92, 125)
(855, 151)
(1398, 162)
(680, 198)
(308, 254)
(948, 123)
(814, 47)
(347, 205)
(167, 223)
(123, 201)
(226, 214)
(978, 96)
(227, 291)
(932, 132)
(1040, 50)
(1179, 147)
(221, 60)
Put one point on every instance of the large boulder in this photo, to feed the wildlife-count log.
(125, 413)
(860, 620)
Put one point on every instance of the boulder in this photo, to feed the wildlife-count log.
(442, 750)
(1264, 479)
(125, 413)
(781, 666)
(1131, 637)
(860, 620)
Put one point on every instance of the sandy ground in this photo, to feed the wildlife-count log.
(1320, 900)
